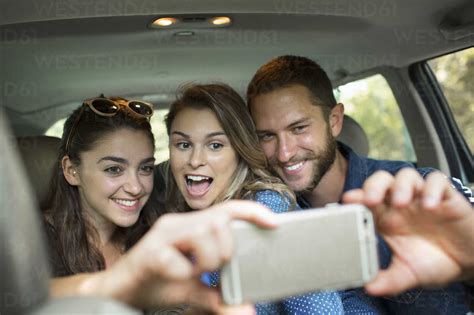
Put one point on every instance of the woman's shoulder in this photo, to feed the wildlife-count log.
(273, 200)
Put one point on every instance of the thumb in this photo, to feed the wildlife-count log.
(353, 196)
(394, 280)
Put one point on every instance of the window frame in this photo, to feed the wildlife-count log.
(455, 148)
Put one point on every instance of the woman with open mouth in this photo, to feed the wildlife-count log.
(214, 157)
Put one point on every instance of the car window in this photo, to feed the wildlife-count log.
(370, 102)
(455, 75)
(157, 125)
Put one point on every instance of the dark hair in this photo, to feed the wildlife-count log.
(231, 112)
(73, 239)
(285, 71)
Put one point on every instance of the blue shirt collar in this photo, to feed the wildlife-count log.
(357, 170)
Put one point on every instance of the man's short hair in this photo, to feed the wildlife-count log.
(285, 71)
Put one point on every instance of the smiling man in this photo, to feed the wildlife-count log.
(297, 120)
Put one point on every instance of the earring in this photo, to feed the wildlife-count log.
(74, 173)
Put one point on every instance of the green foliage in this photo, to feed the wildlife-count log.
(455, 73)
(370, 102)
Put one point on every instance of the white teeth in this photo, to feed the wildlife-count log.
(196, 178)
(127, 203)
(294, 167)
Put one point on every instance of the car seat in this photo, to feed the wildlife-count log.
(39, 155)
(353, 135)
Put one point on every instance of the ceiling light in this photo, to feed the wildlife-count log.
(164, 22)
(220, 20)
(191, 22)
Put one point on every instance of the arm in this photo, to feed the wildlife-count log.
(156, 271)
(428, 225)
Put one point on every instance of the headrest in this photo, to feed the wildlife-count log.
(25, 271)
(39, 154)
(354, 136)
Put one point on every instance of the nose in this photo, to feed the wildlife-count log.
(133, 184)
(197, 157)
(286, 148)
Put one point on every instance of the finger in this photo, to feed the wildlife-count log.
(456, 206)
(376, 187)
(202, 243)
(237, 310)
(408, 183)
(249, 211)
(174, 226)
(357, 196)
(436, 189)
(209, 239)
(394, 280)
(224, 239)
(170, 263)
(353, 196)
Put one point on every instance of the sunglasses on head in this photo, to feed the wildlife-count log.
(109, 107)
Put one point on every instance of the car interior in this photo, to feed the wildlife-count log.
(384, 58)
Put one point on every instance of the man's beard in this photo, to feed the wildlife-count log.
(322, 162)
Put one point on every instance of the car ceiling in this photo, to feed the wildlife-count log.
(56, 53)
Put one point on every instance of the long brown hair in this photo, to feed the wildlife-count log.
(73, 239)
(251, 174)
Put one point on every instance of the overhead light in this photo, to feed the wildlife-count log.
(165, 21)
(220, 20)
(188, 21)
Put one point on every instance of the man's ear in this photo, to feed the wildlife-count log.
(336, 119)
(70, 171)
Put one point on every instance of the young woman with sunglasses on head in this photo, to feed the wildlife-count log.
(214, 157)
(99, 203)
(102, 209)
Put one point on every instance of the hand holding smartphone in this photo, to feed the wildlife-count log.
(329, 248)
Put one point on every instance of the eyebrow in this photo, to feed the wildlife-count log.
(293, 124)
(124, 161)
(209, 135)
(300, 121)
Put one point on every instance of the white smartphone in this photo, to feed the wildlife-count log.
(329, 248)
